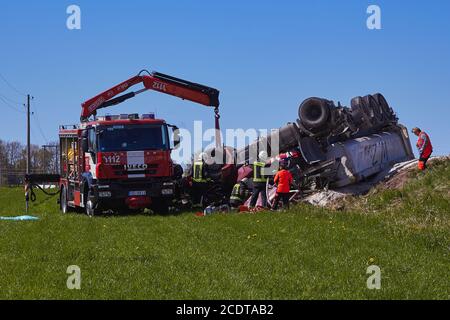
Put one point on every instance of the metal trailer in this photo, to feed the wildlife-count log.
(359, 158)
(354, 143)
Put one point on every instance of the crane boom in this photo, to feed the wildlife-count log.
(154, 81)
(159, 82)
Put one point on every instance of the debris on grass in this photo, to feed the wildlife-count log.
(394, 178)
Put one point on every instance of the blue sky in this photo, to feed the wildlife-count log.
(265, 57)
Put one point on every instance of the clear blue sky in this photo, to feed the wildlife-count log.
(264, 56)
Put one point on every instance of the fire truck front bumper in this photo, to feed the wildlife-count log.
(123, 193)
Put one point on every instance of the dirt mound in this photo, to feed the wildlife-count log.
(394, 177)
(397, 181)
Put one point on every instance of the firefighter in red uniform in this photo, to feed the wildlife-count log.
(424, 146)
(283, 180)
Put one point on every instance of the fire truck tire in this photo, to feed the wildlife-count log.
(63, 203)
(160, 206)
(89, 206)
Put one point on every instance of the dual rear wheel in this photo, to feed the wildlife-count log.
(372, 110)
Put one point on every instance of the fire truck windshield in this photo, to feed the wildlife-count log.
(132, 138)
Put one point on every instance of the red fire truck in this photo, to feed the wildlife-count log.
(121, 162)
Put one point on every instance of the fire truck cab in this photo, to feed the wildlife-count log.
(117, 162)
(123, 161)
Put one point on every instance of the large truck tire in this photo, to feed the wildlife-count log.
(89, 205)
(376, 108)
(358, 114)
(63, 202)
(314, 113)
(361, 112)
(387, 110)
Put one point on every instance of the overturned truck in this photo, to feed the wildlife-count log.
(339, 145)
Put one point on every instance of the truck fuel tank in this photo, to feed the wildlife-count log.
(359, 158)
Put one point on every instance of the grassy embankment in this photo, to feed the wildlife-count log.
(306, 253)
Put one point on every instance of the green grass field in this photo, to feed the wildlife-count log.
(307, 253)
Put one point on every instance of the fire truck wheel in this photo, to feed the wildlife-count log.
(63, 201)
(90, 206)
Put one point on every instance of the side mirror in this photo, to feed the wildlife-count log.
(84, 141)
(84, 145)
(176, 137)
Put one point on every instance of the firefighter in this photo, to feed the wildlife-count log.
(198, 169)
(239, 194)
(199, 179)
(259, 180)
(424, 146)
(283, 179)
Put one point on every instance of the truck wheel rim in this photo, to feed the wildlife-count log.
(90, 208)
(63, 202)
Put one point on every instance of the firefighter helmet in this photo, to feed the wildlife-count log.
(263, 156)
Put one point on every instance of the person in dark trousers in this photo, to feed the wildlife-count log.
(239, 194)
(283, 179)
(259, 181)
(424, 147)
(200, 180)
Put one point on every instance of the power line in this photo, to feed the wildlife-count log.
(10, 100)
(11, 86)
(38, 124)
(11, 106)
(32, 131)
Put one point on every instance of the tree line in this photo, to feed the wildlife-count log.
(13, 161)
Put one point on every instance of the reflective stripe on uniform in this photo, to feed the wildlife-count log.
(424, 145)
(424, 141)
(257, 172)
(235, 194)
(198, 172)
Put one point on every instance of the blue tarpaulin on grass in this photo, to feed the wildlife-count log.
(20, 218)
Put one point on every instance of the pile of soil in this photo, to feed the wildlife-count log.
(395, 177)
(398, 180)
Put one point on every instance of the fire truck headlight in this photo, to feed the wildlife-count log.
(168, 184)
(166, 192)
(104, 194)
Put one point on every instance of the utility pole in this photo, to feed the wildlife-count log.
(28, 136)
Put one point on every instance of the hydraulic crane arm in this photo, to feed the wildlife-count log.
(154, 81)
(158, 82)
